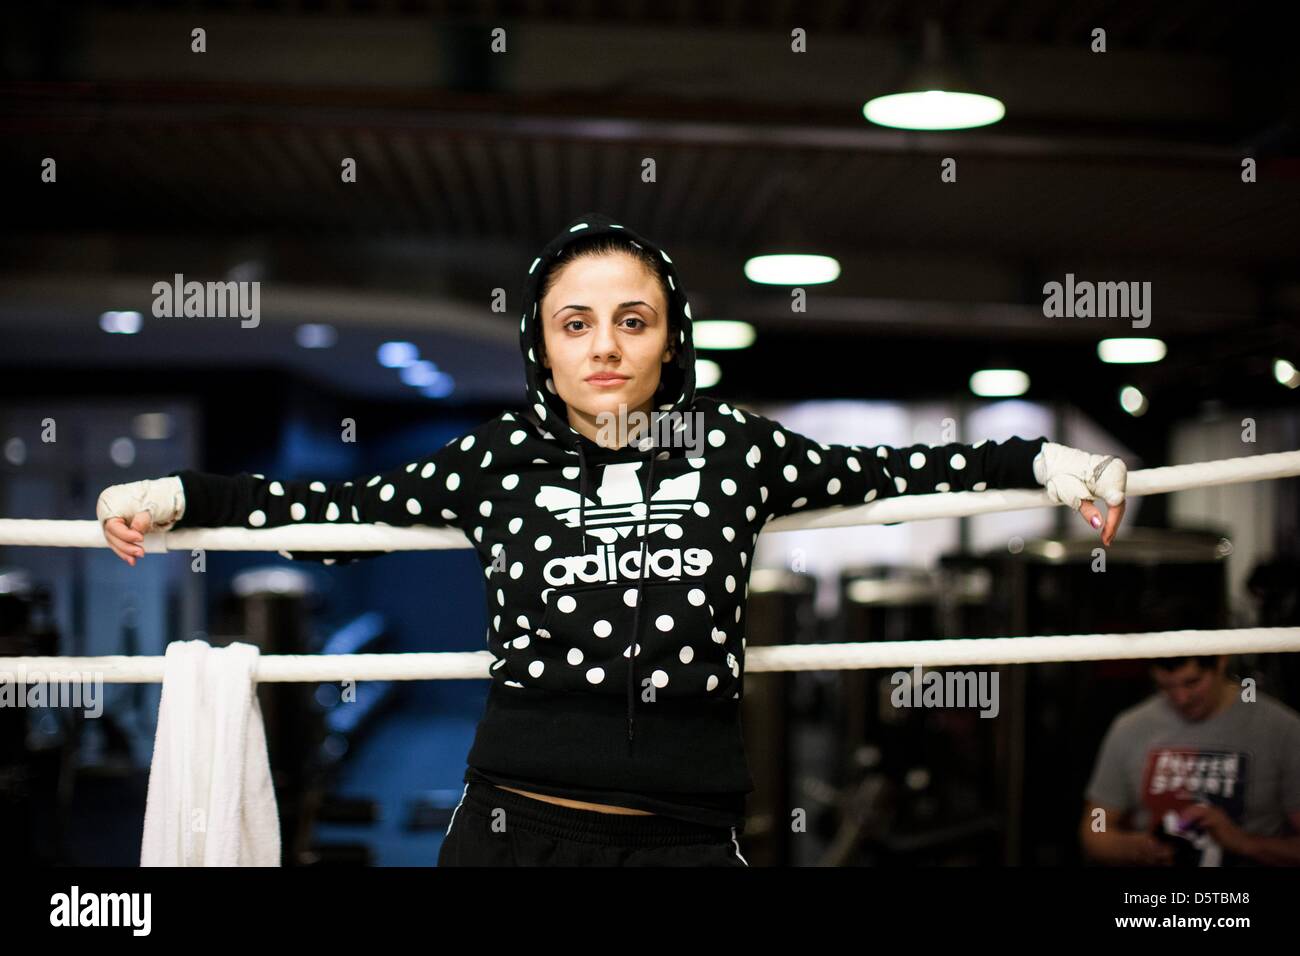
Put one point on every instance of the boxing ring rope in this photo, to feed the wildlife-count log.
(454, 665)
(463, 665)
(371, 537)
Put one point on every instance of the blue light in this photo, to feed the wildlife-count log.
(420, 373)
(315, 335)
(441, 387)
(397, 354)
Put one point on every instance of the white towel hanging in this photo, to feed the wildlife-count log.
(211, 801)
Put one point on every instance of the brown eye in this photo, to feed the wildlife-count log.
(636, 318)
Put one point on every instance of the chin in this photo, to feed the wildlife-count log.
(611, 402)
(593, 408)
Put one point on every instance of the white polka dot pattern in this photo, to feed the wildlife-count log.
(431, 491)
(562, 595)
(805, 474)
(589, 630)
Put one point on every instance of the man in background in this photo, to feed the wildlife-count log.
(1198, 774)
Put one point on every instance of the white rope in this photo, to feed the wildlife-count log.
(1147, 481)
(370, 537)
(462, 665)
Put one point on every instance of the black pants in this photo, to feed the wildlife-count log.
(495, 827)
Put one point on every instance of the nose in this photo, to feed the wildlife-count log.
(603, 343)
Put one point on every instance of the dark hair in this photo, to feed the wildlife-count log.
(1207, 661)
(590, 247)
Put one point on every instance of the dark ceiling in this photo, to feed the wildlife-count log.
(1121, 166)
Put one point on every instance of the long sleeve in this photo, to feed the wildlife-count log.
(437, 490)
(803, 474)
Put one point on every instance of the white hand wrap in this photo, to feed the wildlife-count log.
(163, 498)
(1072, 476)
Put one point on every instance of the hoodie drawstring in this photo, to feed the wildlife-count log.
(641, 575)
(582, 499)
(640, 599)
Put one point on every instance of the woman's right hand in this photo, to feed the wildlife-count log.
(128, 512)
(127, 541)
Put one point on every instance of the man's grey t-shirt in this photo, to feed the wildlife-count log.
(1245, 759)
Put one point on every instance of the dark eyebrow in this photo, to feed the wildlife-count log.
(621, 305)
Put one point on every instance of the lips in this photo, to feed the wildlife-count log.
(606, 380)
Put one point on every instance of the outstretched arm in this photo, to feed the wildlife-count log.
(804, 474)
(435, 490)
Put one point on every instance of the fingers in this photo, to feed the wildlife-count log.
(127, 543)
(1109, 526)
(1114, 515)
(1090, 513)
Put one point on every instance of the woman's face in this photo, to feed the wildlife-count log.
(605, 336)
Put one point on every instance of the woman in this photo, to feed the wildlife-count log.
(616, 550)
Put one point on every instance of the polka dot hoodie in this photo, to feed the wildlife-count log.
(616, 579)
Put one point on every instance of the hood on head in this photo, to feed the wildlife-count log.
(677, 391)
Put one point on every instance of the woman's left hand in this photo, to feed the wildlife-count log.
(1076, 478)
(1114, 515)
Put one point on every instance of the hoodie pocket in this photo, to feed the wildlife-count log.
(582, 644)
